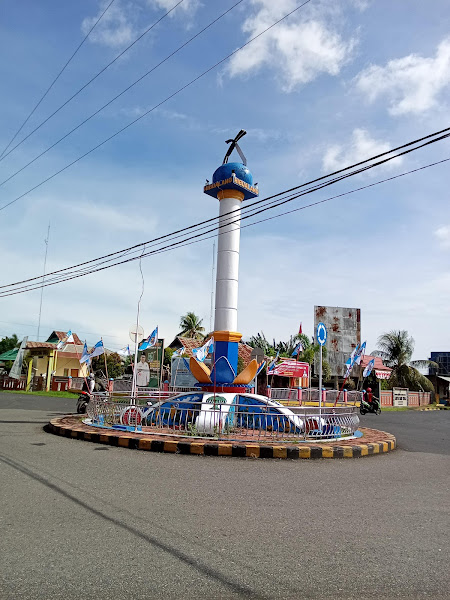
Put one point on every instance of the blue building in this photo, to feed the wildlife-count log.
(440, 377)
(443, 360)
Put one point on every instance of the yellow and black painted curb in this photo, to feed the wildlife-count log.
(242, 450)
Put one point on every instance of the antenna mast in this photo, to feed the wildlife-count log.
(43, 279)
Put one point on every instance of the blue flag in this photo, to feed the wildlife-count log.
(369, 368)
(272, 364)
(150, 341)
(97, 349)
(201, 353)
(85, 357)
(298, 348)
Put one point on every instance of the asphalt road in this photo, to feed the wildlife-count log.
(81, 520)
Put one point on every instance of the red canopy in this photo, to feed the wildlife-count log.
(291, 368)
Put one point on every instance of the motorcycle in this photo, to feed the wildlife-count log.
(82, 402)
(371, 405)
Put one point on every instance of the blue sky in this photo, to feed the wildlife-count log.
(340, 80)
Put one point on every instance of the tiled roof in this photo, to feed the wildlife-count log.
(245, 352)
(61, 335)
(31, 345)
(378, 362)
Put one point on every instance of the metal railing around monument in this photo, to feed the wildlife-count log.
(224, 422)
(298, 396)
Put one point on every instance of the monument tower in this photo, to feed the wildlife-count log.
(232, 183)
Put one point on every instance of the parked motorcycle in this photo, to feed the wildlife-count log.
(369, 403)
(82, 402)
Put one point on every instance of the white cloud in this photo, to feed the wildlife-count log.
(300, 48)
(443, 236)
(361, 146)
(120, 24)
(187, 6)
(412, 84)
(115, 28)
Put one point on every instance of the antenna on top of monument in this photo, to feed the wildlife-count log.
(234, 144)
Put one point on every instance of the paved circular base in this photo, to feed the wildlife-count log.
(375, 442)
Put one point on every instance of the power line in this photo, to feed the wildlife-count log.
(154, 107)
(250, 206)
(51, 85)
(83, 87)
(99, 110)
(190, 241)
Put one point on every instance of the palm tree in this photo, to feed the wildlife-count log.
(396, 349)
(259, 341)
(191, 326)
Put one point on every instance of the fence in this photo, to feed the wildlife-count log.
(226, 422)
(414, 398)
(9, 383)
(298, 396)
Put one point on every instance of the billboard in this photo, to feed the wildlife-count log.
(155, 358)
(344, 334)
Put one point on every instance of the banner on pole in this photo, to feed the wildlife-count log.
(16, 369)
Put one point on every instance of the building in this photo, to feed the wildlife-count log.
(47, 363)
(64, 362)
(440, 377)
(380, 370)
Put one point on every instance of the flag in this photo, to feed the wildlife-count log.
(125, 351)
(150, 341)
(67, 340)
(300, 329)
(351, 361)
(201, 353)
(360, 354)
(368, 370)
(179, 352)
(16, 369)
(97, 349)
(85, 357)
(273, 363)
(298, 348)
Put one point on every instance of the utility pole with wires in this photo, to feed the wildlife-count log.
(43, 278)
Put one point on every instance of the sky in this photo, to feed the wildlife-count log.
(336, 82)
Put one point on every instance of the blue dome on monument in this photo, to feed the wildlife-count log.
(240, 170)
(232, 176)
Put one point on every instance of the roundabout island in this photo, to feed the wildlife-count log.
(222, 416)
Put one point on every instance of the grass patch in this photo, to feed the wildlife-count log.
(50, 394)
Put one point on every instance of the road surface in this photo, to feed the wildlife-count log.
(81, 520)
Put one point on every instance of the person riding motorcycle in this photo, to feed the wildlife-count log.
(369, 403)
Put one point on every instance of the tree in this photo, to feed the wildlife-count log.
(114, 363)
(168, 356)
(259, 341)
(191, 326)
(396, 349)
(9, 343)
(309, 353)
